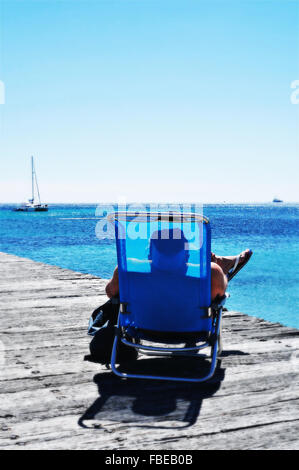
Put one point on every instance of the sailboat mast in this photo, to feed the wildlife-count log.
(32, 179)
(35, 177)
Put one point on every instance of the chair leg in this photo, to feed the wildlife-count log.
(220, 342)
(113, 356)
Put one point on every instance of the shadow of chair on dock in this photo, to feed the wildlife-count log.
(154, 398)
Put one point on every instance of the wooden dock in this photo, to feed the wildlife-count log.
(52, 399)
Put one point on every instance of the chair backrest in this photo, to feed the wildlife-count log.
(164, 265)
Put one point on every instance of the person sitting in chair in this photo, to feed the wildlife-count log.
(168, 253)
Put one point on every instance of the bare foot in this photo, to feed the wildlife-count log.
(228, 262)
(112, 288)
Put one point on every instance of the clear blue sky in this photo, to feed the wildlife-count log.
(150, 100)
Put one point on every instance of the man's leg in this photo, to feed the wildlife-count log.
(218, 281)
(218, 287)
(228, 262)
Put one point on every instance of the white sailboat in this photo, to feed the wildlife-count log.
(31, 205)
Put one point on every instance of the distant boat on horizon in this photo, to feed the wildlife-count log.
(32, 206)
(277, 200)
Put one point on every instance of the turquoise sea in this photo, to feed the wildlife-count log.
(268, 287)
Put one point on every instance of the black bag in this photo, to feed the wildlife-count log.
(102, 327)
(104, 315)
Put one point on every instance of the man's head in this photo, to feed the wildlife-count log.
(169, 251)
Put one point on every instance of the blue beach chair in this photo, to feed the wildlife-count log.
(164, 266)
